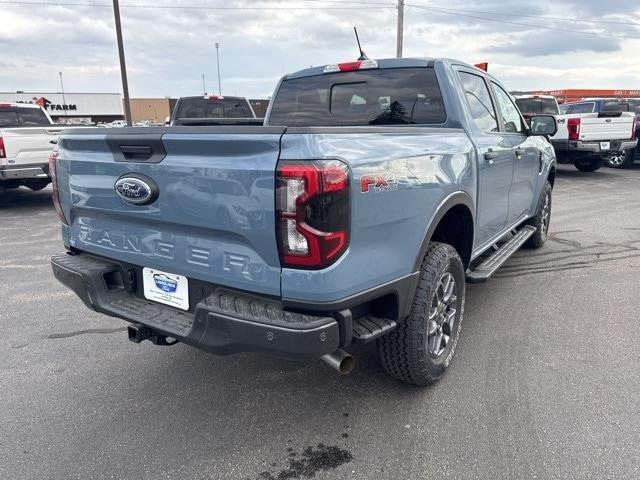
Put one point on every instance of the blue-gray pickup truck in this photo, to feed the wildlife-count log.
(357, 212)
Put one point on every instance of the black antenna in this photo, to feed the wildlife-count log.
(363, 56)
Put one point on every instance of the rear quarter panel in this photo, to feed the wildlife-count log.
(422, 167)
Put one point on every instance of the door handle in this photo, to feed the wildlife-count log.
(490, 155)
(519, 152)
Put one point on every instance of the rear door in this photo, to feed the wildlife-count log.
(496, 158)
(208, 221)
(525, 152)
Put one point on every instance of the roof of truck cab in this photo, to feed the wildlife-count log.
(384, 63)
(18, 105)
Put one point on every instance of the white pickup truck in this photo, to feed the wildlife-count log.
(26, 132)
(585, 134)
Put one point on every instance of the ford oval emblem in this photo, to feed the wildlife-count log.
(136, 189)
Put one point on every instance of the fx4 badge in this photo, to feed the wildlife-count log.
(378, 182)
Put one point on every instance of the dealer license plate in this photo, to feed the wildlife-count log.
(168, 288)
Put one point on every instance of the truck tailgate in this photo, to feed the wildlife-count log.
(213, 219)
(608, 128)
(28, 145)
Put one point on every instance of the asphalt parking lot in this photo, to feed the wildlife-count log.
(545, 383)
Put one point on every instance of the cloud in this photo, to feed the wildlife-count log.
(168, 50)
(540, 43)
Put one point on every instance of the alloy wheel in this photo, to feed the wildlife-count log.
(442, 315)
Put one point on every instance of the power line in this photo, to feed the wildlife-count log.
(519, 24)
(484, 12)
(180, 7)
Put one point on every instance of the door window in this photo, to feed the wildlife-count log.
(479, 102)
(512, 121)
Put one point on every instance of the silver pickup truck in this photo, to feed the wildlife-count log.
(373, 192)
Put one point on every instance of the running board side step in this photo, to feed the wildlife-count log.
(486, 269)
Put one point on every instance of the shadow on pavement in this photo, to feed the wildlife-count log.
(23, 197)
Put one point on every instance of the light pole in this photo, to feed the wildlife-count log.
(400, 31)
(123, 66)
(218, 62)
(64, 100)
(204, 87)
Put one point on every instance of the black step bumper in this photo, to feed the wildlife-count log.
(223, 322)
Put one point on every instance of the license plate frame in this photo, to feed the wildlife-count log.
(166, 288)
(605, 146)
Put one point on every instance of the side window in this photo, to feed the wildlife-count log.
(479, 101)
(510, 115)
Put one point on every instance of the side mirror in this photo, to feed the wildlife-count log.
(545, 125)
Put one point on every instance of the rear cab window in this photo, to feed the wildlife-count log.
(581, 107)
(392, 96)
(23, 117)
(214, 107)
(532, 106)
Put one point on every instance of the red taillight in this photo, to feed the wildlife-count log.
(573, 126)
(53, 160)
(312, 203)
(3, 153)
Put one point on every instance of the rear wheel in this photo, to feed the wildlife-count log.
(36, 185)
(622, 159)
(541, 220)
(588, 164)
(420, 349)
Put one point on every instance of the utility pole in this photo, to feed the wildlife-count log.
(64, 100)
(218, 62)
(123, 66)
(204, 87)
(400, 28)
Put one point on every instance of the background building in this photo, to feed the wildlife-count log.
(575, 94)
(72, 107)
(153, 109)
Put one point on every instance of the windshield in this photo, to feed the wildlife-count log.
(23, 117)
(201, 107)
(395, 96)
(530, 106)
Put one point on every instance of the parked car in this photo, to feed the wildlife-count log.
(373, 192)
(26, 133)
(621, 158)
(117, 124)
(214, 110)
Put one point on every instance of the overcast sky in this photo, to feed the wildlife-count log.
(169, 49)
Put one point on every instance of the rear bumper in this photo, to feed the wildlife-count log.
(593, 147)
(19, 172)
(222, 322)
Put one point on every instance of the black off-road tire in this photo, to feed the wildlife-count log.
(405, 352)
(37, 185)
(588, 164)
(541, 220)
